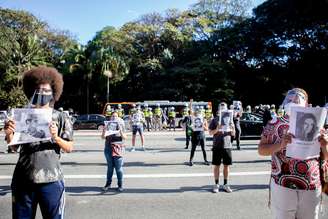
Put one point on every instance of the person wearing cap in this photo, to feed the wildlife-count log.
(120, 111)
(199, 126)
(248, 109)
(295, 186)
(148, 116)
(38, 176)
(138, 119)
(172, 115)
(158, 113)
(109, 111)
(222, 148)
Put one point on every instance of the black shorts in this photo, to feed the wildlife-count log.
(219, 154)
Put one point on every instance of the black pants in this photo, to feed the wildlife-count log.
(237, 137)
(171, 123)
(188, 137)
(197, 140)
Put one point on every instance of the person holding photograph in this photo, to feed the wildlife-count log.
(138, 119)
(113, 151)
(221, 147)
(199, 126)
(295, 186)
(38, 176)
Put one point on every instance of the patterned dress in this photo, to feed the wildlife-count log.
(289, 172)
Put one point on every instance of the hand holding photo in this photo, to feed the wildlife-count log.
(305, 124)
(32, 125)
(226, 120)
(111, 128)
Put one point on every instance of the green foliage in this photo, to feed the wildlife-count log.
(214, 51)
(25, 41)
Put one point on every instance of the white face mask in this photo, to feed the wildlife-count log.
(288, 107)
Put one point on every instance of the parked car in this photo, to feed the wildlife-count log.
(89, 121)
(3, 116)
(251, 125)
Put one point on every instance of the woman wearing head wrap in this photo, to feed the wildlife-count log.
(38, 176)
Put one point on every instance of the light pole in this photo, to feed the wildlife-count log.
(109, 75)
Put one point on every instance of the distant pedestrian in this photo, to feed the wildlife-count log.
(138, 120)
(113, 151)
(199, 126)
(221, 150)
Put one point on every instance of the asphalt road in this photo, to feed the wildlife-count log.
(158, 183)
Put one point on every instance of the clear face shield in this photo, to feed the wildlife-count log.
(41, 97)
(293, 98)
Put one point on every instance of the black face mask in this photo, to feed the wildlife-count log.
(41, 99)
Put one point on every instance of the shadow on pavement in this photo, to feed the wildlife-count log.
(4, 190)
(252, 161)
(97, 191)
(249, 187)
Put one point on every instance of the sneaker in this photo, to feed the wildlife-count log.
(191, 163)
(207, 163)
(216, 188)
(143, 148)
(133, 149)
(186, 147)
(106, 187)
(120, 189)
(227, 188)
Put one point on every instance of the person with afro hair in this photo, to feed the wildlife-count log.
(38, 176)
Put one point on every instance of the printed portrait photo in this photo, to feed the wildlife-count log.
(306, 126)
(32, 125)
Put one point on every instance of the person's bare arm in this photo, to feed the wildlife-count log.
(323, 139)
(66, 146)
(215, 131)
(103, 133)
(267, 149)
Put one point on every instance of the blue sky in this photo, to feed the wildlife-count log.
(83, 18)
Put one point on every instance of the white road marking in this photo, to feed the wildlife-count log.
(164, 175)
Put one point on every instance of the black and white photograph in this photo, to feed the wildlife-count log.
(226, 120)
(198, 124)
(237, 105)
(112, 127)
(305, 124)
(32, 125)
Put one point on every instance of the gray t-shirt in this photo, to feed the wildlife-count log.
(39, 161)
(220, 140)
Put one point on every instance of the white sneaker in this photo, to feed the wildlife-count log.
(133, 149)
(227, 188)
(143, 148)
(216, 188)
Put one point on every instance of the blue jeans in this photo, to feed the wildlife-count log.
(113, 162)
(50, 197)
